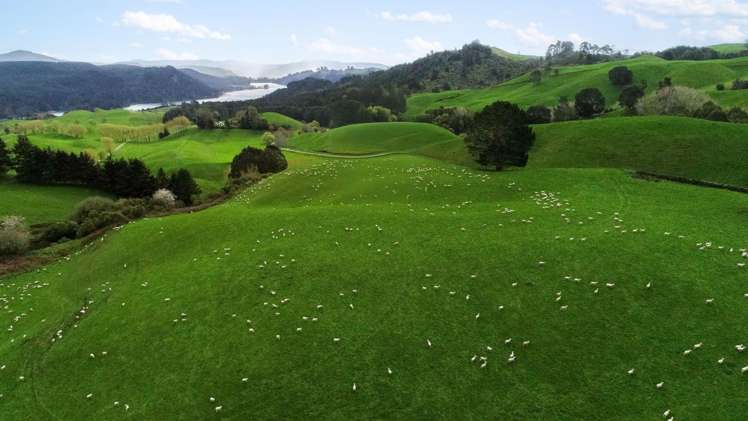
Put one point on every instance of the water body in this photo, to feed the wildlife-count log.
(259, 91)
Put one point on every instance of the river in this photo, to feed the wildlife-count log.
(259, 91)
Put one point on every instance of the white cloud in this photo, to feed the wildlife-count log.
(727, 33)
(529, 36)
(326, 46)
(294, 39)
(423, 16)
(420, 46)
(170, 24)
(682, 8)
(173, 55)
(500, 25)
(576, 38)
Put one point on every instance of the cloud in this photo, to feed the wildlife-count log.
(576, 38)
(680, 8)
(169, 24)
(326, 46)
(423, 16)
(726, 33)
(529, 36)
(420, 46)
(173, 55)
(294, 39)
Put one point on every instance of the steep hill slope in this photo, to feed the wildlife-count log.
(704, 75)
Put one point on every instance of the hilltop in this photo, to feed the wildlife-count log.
(23, 55)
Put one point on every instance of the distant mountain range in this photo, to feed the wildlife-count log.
(255, 70)
(23, 55)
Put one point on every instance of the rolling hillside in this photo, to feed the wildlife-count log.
(498, 297)
(703, 75)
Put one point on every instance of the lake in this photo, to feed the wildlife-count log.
(260, 90)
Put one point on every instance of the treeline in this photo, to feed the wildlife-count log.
(684, 52)
(565, 53)
(121, 177)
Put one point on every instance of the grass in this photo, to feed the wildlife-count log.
(373, 138)
(380, 244)
(679, 146)
(702, 75)
(39, 204)
(729, 48)
(282, 120)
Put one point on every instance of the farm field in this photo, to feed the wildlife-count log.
(702, 75)
(520, 292)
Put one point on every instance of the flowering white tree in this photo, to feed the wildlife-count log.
(165, 198)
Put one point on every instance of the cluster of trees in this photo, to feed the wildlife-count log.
(123, 178)
(500, 135)
(42, 127)
(147, 133)
(587, 103)
(224, 115)
(253, 160)
(683, 52)
(687, 102)
(457, 120)
(565, 53)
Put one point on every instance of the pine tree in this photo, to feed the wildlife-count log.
(183, 186)
(5, 161)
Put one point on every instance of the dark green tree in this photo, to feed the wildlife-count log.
(589, 102)
(162, 180)
(737, 115)
(500, 136)
(536, 76)
(620, 76)
(539, 114)
(5, 161)
(205, 120)
(630, 95)
(184, 186)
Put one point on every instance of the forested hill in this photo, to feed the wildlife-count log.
(345, 102)
(32, 87)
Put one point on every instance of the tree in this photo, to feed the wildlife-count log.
(184, 186)
(500, 136)
(630, 96)
(621, 76)
(589, 102)
(205, 120)
(711, 111)
(536, 76)
(539, 114)
(268, 138)
(5, 161)
(162, 180)
(107, 143)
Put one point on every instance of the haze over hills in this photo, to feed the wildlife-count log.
(255, 70)
(23, 55)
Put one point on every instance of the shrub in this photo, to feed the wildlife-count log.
(90, 207)
(720, 86)
(271, 160)
(98, 221)
(57, 231)
(132, 208)
(183, 186)
(737, 115)
(539, 114)
(711, 111)
(457, 120)
(164, 198)
(565, 111)
(740, 84)
(621, 76)
(589, 102)
(672, 100)
(14, 236)
(630, 96)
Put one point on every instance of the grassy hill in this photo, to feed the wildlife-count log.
(282, 120)
(40, 203)
(373, 138)
(239, 307)
(511, 56)
(729, 48)
(679, 146)
(703, 75)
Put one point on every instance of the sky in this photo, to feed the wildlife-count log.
(383, 31)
